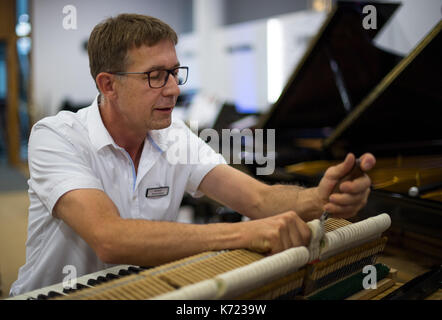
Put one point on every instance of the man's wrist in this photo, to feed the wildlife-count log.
(312, 204)
(224, 236)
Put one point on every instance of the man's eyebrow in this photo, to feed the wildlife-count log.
(162, 67)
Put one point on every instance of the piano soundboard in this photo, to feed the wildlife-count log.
(86, 281)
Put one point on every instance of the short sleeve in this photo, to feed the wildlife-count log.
(207, 160)
(56, 166)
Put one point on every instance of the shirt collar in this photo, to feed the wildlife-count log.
(98, 133)
(158, 139)
(100, 137)
(162, 139)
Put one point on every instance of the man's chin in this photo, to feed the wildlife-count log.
(161, 124)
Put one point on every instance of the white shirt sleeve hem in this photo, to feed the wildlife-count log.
(67, 186)
(196, 178)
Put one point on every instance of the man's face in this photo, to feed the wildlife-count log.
(144, 108)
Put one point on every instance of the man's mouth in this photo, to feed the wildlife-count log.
(164, 110)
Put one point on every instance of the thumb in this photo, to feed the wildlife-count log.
(340, 170)
(332, 176)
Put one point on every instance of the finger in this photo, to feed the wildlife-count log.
(349, 200)
(285, 238)
(340, 170)
(293, 234)
(278, 248)
(356, 186)
(260, 246)
(300, 233)
(305, 233)
(343, 212)
(368, 161)
(346, 199)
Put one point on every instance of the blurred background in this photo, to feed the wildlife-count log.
(244, 57)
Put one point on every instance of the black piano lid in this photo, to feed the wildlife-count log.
(311, 98)
(402, 114)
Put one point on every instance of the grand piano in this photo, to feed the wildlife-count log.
(347, 95)
(337, 71)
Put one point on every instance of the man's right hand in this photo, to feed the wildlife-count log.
(276, 233)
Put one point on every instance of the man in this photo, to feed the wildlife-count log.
(102, 191)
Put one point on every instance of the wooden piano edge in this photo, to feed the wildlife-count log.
(390, 285)
(383, 286)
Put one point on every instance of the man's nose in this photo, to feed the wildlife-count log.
(171, 87)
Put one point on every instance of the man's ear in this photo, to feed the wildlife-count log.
(106, 83)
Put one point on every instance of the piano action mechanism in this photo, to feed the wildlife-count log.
(296, 273)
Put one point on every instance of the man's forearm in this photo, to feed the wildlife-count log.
(281, 198)
(152, 243)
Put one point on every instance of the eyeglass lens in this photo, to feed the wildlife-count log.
(158, 78)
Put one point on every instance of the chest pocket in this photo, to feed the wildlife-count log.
(163, 190)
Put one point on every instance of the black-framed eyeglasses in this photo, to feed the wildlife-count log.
(158, 78)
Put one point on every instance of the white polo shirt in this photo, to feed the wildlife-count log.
(75, 151)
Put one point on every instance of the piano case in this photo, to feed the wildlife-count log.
(393, 113)
(336, 72)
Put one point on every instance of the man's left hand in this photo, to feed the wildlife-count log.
(353, 193)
